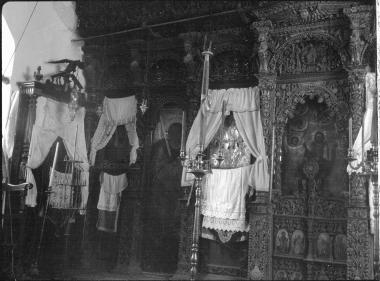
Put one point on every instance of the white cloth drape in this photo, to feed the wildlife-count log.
(109, 201)
(370, 87)
(245, 105)
(10, 125)
(52, 121)
(120, 111)
(110, 191)
(223, 199)
(9, 101)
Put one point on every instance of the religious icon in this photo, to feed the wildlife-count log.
(323, 246)
(340, 247)
(282, 241)
(298, 242)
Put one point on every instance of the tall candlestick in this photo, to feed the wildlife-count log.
(222, 130)
(350, 132)
(201, 129)
(183, 130)
(363, 138)
(54, 164)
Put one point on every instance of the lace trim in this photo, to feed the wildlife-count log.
(207, 210)
(225, 224)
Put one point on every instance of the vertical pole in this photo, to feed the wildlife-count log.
(196, 230)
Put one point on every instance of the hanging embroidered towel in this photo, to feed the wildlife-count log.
(109, 201)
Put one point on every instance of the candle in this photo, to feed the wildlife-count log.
(54, 164)
(183, 130)
(350, 132)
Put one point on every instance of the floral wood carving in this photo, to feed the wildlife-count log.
(356, 80)
(308, 56)
(306, 51)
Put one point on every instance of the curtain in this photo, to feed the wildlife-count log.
(245, 105)
(9, 102)
(120, 111)
(10, 125)
(53, 121)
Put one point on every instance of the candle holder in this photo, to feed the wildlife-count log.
(351, 156)
(199, 167)
(220, 158)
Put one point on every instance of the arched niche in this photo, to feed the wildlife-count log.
(327, 113)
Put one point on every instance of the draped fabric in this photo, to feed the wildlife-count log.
(223, 199)
(245, 105)
(109, 200)
(9, 101)
(53, 121)
(10, 125)
(370, 87)
(120, 111)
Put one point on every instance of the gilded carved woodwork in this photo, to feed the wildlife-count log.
(260, 238)
(356, 82)
(360, 19)
(359, 264)
(296, 51)
(264, 54)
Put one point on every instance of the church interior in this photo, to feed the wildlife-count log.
(190, 140)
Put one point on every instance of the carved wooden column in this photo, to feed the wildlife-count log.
(359, 258)
(356, 80)
(260, 238)
(359, 263)
(267, 85)
(359, 17)
(261, 211)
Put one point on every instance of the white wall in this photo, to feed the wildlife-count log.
(47, 37)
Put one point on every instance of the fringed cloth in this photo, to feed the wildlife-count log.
(109, 201)
(63, 194)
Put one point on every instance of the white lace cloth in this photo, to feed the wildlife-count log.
(223, 199)
(121, 111)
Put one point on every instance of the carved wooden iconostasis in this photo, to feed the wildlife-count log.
(307, 58)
